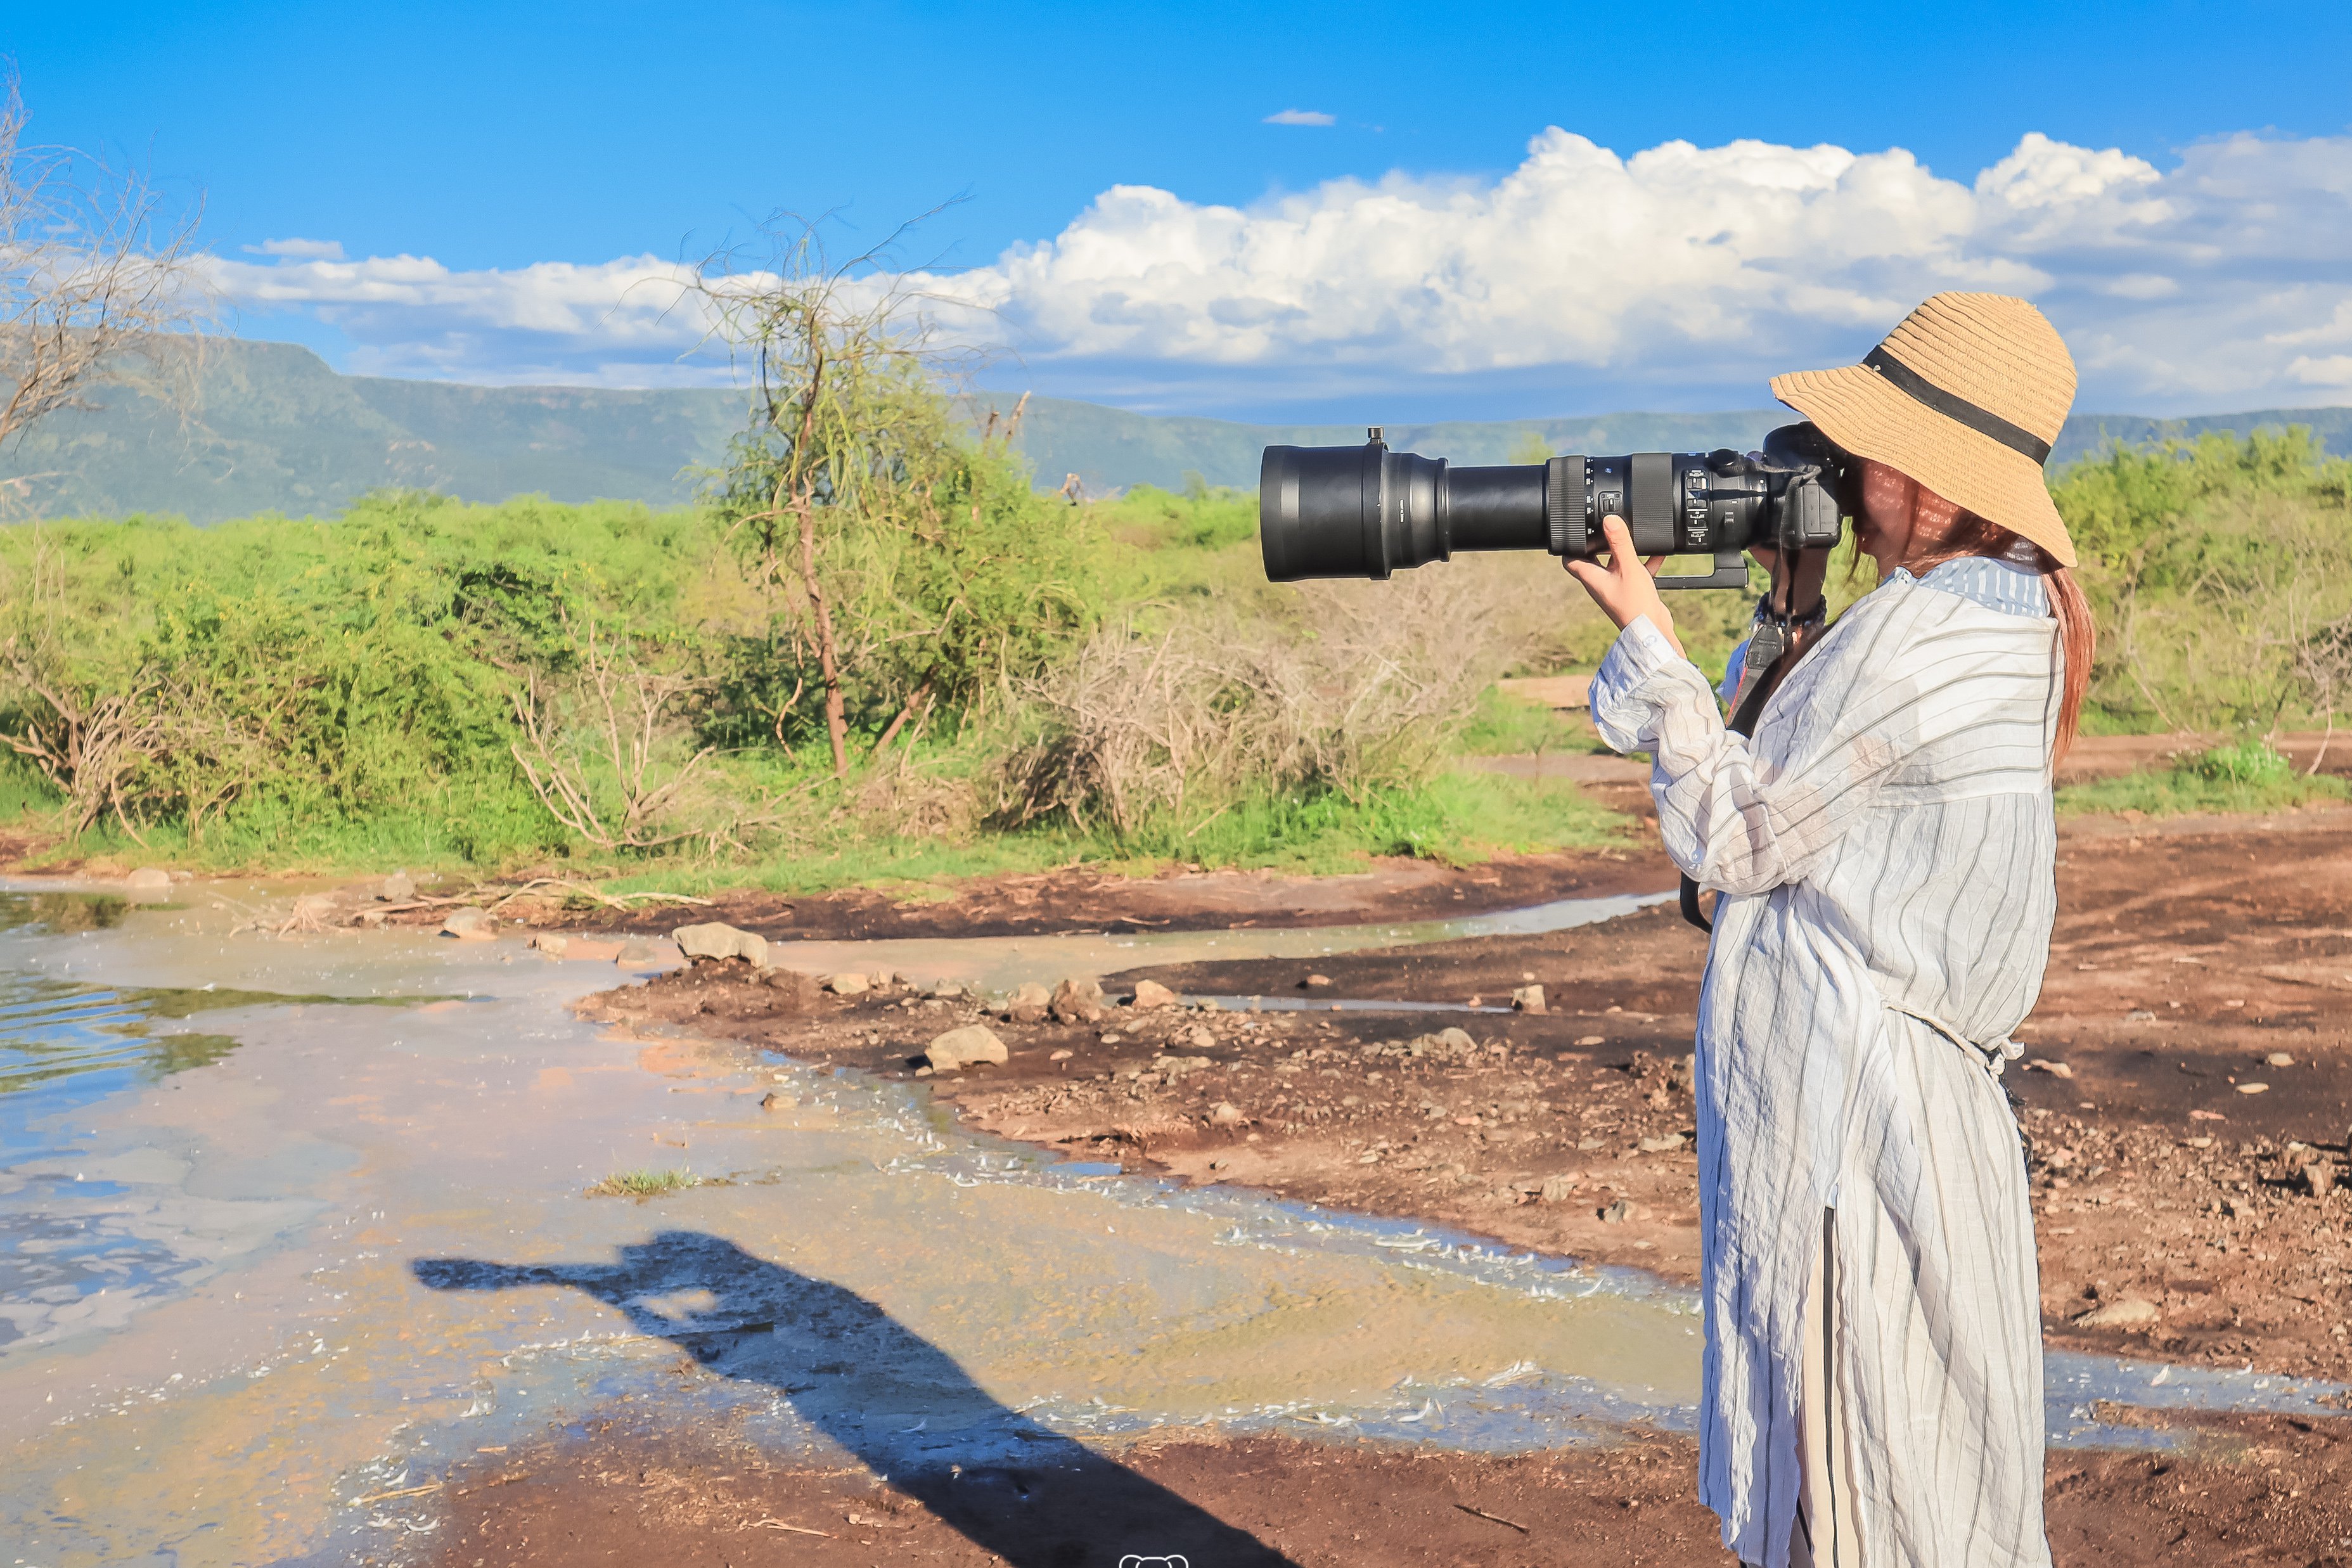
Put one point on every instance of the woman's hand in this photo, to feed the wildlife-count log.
(1626, 589)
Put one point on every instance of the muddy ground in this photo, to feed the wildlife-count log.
(2190, 958)
(2194, 960)
(2265, 1489)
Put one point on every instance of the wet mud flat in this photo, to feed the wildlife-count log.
(2256, 1489)
(2180, 1218)
(2184, 1216)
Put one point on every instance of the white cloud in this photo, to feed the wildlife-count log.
(626, 322)
(1581, 280)
(299, 249)
(1300, 117)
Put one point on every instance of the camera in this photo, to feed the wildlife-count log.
(1366, 512)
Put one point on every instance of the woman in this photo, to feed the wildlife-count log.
(1884, 850)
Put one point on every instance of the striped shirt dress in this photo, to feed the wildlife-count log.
(1885, 848)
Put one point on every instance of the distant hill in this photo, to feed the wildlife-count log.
(277, 430)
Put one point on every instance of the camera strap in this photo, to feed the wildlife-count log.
(1767, 661)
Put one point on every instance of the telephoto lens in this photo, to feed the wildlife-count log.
(1366, 512)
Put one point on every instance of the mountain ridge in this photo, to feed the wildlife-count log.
(275, 429)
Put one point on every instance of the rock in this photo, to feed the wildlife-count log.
(641, 952)
(776, 1100)
(1592, 1040)
(469, 924)
(1028, 1005)
(2278, 1060)
(1078, 1002)
(2319, 1176)
(149, 879)
(944, 991)
(1177, 1067)
(2253, 1088)
(1528, 999)
(595, 950)
(1064, 1054)
(1670, 1143)
(961, 1047)
(848, 984)
(1316, 980)
(2126, 1313)
(551, 945)
(1226, 1113)
(398, 889)
(1620, 1212)
(2055, 1069)
(1151, 993)
(1199, 1038)
(1558, 1189)
(717, 940)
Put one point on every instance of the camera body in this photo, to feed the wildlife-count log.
(1366, 512)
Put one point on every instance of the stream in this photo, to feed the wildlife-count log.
(294, 1226)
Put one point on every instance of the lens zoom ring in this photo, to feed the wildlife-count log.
(1566, 497)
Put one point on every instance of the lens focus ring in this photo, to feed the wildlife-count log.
(1567, 500)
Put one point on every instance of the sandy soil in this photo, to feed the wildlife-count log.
(2264, 1490)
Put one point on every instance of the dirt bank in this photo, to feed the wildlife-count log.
(2190, 957)
(2265, 1489)
(1081, 900)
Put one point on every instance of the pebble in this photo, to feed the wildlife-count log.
(1151, 993)
(2320, 1177)
(1673, 1141)
(1528, 999)
(1622, 1210)
(1226, 1113)
(2130, 1312)
(1077, 1001)
(2253, 1088)
(1028, 1004)
(2278, 1060)
(717, 939)
(1558, 1189)
(773, 1101)
(963, 1048)
(1064, 1054)
(469, 924)
(1592, 1040)
(1318, 979)
(847, 985)
(2055, 1069)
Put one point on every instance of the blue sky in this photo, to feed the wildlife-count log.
(498, 138)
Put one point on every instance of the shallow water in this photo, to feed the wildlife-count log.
(263, 1291)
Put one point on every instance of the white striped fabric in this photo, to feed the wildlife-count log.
(1886, 849)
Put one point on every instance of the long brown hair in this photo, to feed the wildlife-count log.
(2077, 638)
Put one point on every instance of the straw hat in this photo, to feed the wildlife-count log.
(1965, 397)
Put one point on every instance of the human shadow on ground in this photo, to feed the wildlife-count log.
(1032, 1496)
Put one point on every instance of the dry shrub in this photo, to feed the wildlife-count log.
(1336, 686)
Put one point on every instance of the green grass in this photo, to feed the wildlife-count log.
(644, 1184)
(2246, 778)
(1457, 818)
(1508, 726)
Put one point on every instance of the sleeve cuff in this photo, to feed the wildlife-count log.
(1640, 652)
